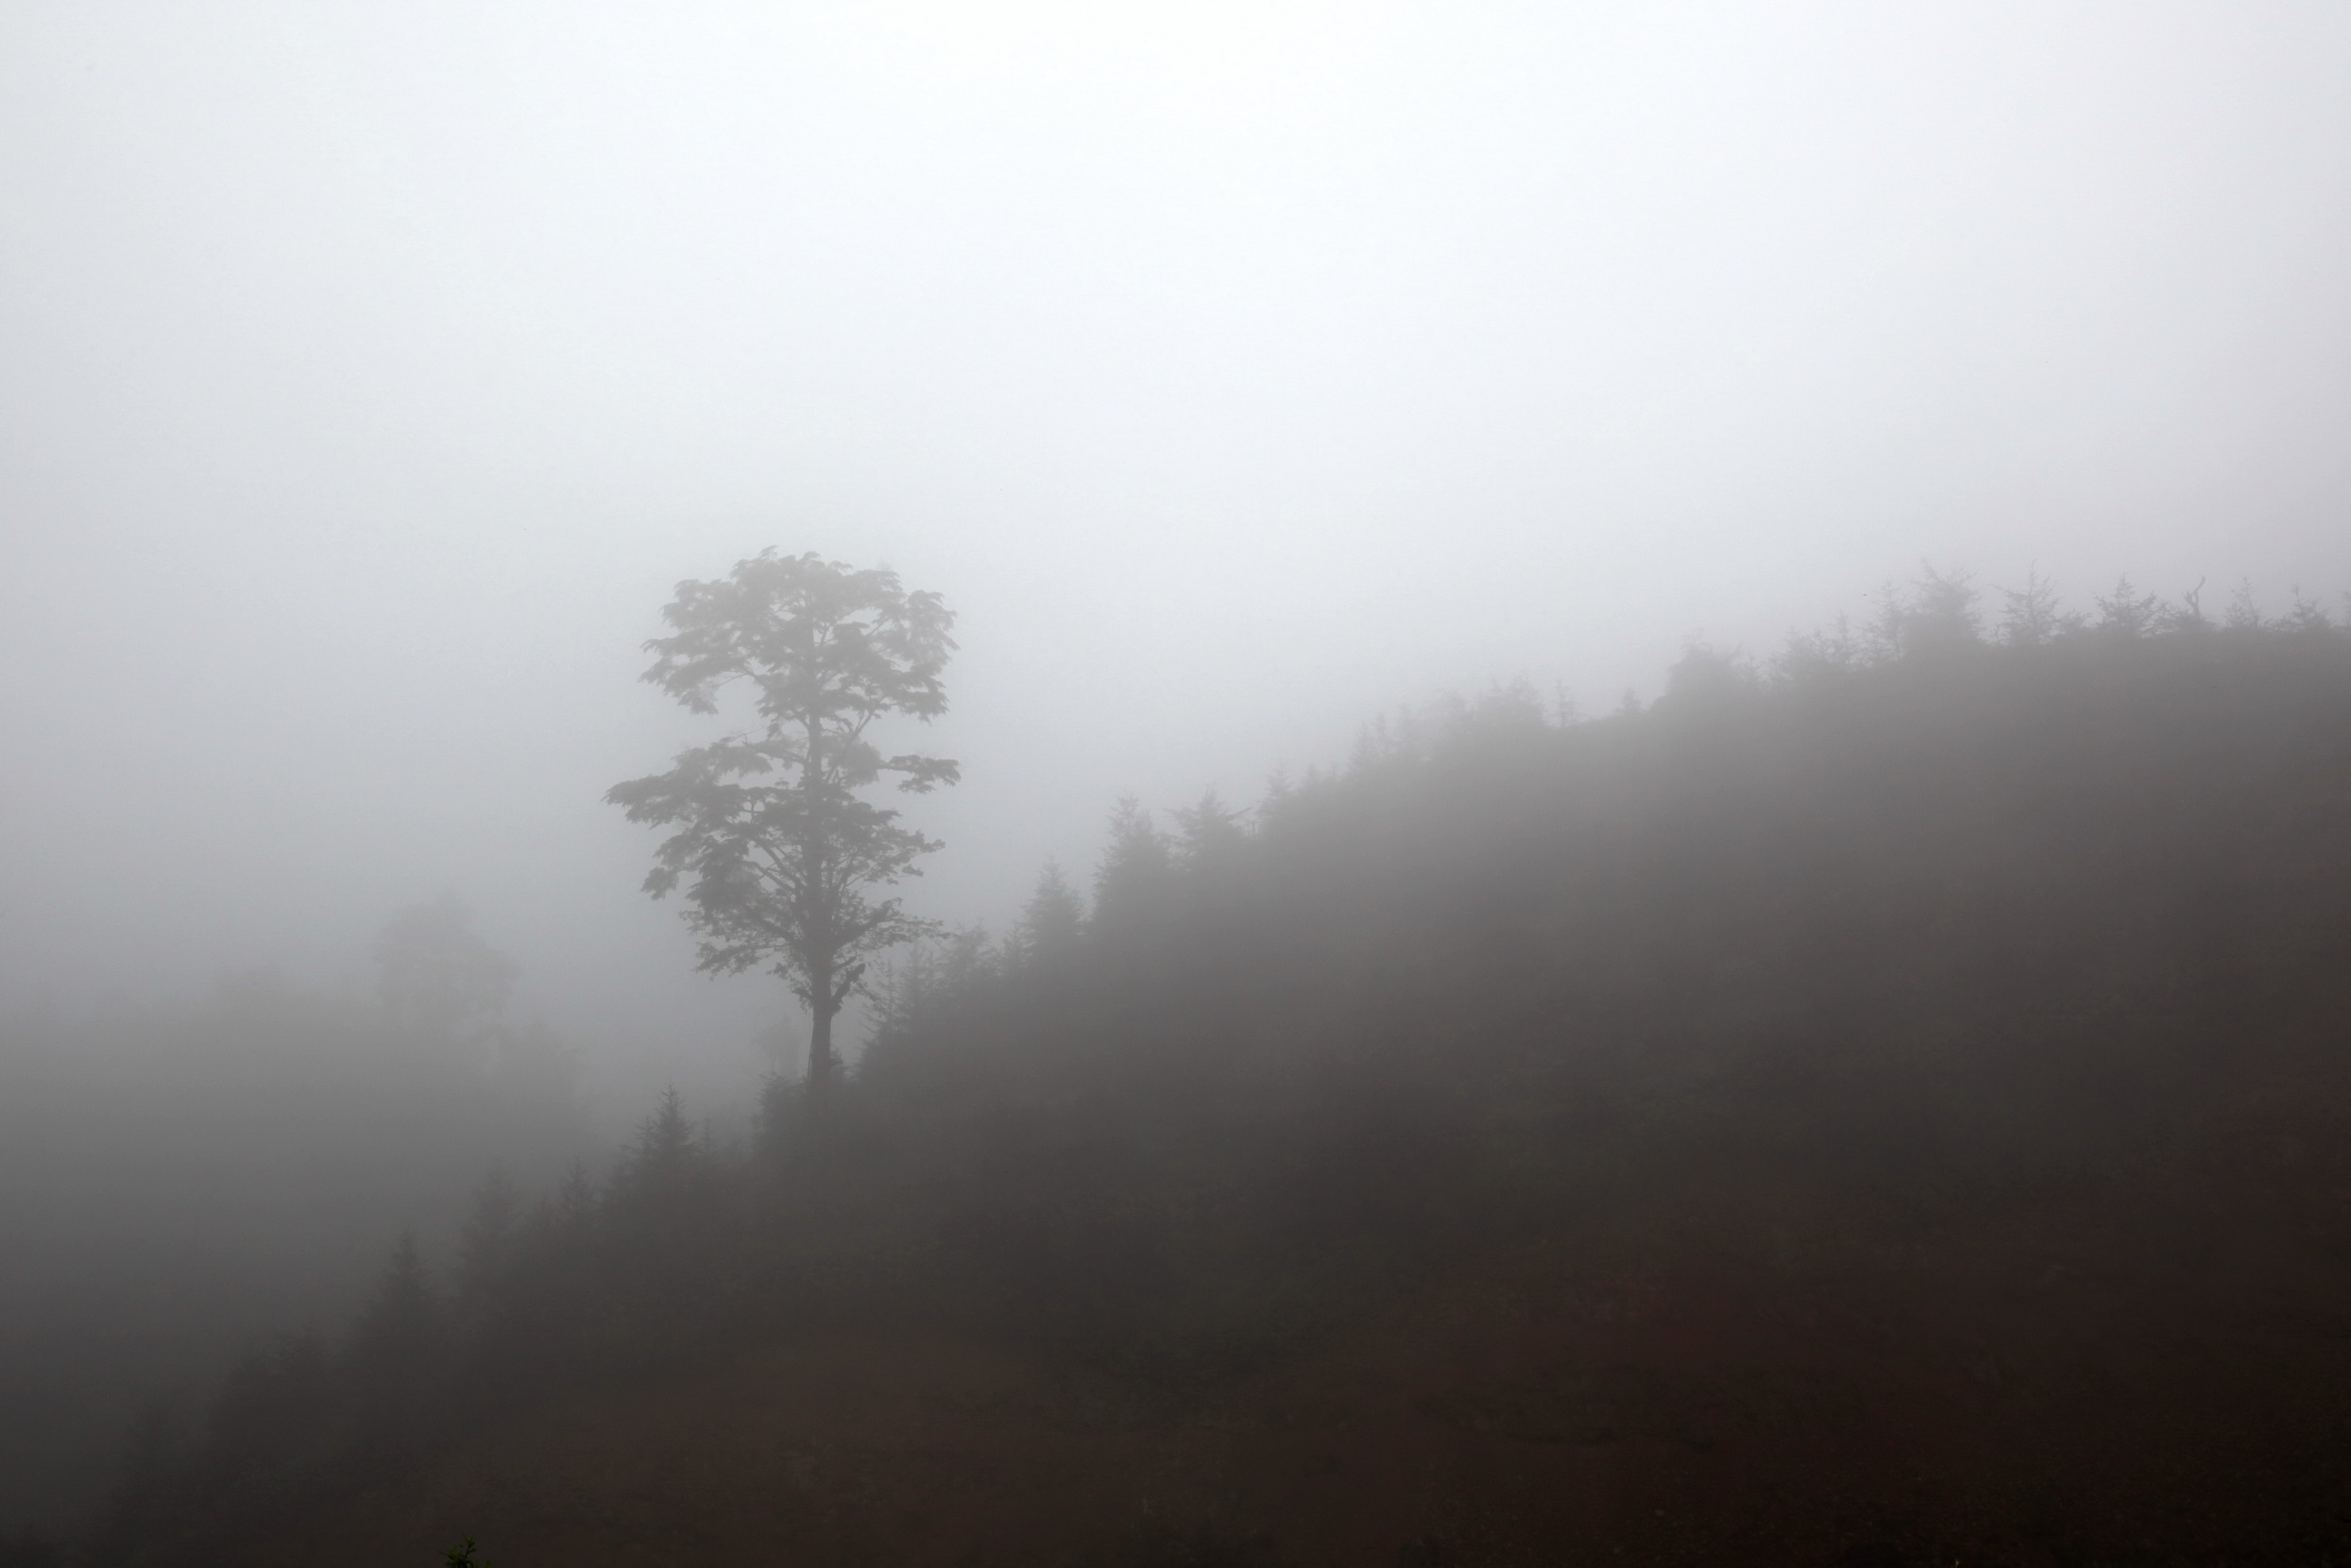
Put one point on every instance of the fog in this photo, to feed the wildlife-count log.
(369, 374)
(372, 375)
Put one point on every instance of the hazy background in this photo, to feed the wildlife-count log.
(369, 373)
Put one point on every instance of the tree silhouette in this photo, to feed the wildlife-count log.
(394, 1350)
(1054, 920)
(2126, 612)
(2031, 616)
(1137, 869)
(774, 844)
(435, 977)
(1211, 837)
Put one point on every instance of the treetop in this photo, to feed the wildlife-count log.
(817, 638)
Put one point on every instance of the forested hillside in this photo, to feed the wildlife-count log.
(1887, 1104)
(183, 1178)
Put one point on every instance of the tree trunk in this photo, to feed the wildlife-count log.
(824, 1067)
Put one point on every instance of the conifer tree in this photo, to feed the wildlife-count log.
(2126, 612)
(394, 1348)
(1210, 836)
(1054, 919)
(486, 1246)
(2031, 615)
(1137, 869)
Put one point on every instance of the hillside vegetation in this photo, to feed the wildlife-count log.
(1889, 1106)
(181, 1179)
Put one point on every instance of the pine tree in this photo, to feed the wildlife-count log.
(2031, 616)
(389, 1361)
(486, 1246)
(2125, 612)
(1211, 838)
(1137, 870)
(1054, 920)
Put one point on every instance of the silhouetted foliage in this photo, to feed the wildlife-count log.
(2126, 612)
(1211, 839)
(1136, 871)
(776, 874)
(1936, 617)
(2031, 615)
(393, 1344)
(488, 1245)
(1054, 920)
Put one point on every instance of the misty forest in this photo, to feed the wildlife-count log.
(1885, 1102)
(1017, 785)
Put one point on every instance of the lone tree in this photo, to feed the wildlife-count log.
(774, 844)
(439, 983)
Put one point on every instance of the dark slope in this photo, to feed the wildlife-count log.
(177, 1180)
(1895, 1112)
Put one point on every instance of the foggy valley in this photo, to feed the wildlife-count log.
(1423, 786)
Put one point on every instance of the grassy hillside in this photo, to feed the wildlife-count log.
(1888, 1108)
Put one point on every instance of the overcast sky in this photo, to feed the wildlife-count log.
(369, 373)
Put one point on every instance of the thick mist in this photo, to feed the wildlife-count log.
(370, 377)
(1236, 372)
